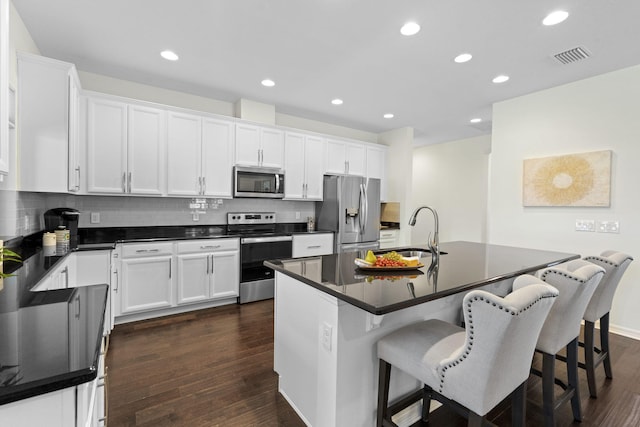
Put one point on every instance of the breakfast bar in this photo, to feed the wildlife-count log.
(329, 315)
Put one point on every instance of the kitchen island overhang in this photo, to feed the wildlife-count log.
(329, 316)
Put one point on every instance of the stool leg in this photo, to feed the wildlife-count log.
(548, 381)
(426, 403)
(474, 420)
(519, 405)
(384, 375)
(604, 344)
(572, 376)
(589, 354)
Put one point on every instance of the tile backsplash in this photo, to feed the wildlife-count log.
(21, 213)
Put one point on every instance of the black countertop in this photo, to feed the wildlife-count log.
(49, 340)
(462, 266)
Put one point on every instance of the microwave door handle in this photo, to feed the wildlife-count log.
(277, 183)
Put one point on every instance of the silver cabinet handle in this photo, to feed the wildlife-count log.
(211, 256)
(129, 182)
(207, 265)
(169, 269)
(117, 280)
(313, 247)
(210, 247)
(144, 251)
(199, 185)
(204, 185)
(124, 182)
(78, 178)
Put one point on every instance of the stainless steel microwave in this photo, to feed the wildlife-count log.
(251, 181)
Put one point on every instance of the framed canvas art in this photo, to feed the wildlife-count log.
(582, 179)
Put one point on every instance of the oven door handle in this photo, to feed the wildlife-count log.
(250, 240)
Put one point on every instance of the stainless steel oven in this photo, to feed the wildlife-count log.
(259, 242)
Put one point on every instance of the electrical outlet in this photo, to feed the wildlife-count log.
(327, 331)
(297, 215)
(585, 225)
(608, 227)
(95, 217)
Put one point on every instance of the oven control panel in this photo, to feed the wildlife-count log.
(236, 218)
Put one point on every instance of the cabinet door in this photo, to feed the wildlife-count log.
(247, 144)
(226, 275)
(183, 160)
(193, 277)
(294, 166)
(106, 146)
(272, 144)
(43, 121)
(217, 157)
(314, 168)
(146, 284)
(336, 157)
(356, 159)
(145, 153)
(74, 136)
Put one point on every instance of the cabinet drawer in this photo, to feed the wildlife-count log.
(388, 234)
(312, 244)
(146, 249)
(210, 245)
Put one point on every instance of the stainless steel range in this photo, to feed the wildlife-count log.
(259, 241)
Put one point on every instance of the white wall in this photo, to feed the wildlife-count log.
(399, 174)
(452, 178)
(600, 113)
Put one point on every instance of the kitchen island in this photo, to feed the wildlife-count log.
(330, 314)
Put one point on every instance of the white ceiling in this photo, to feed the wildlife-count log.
(317, 50)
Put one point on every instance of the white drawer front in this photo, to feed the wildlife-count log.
(312, 244)
(131, 250)
(208, 245)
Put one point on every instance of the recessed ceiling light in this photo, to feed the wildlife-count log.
(555, 17)
(169, 55)
(475, 120)
(409, 29)
(463, 57)
(388, 116)
(500, 79)
(268, 83)
(336, 101)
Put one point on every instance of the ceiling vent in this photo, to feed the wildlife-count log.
(572, 55)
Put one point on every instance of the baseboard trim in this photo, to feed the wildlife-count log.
(627, 332)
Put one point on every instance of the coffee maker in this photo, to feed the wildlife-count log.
(67, 217)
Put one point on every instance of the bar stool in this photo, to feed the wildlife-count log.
(576, 281)
(615, 264)
(472, 368)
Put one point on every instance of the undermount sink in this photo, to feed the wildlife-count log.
(410, 252)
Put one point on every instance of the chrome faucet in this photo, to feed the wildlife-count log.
(433, 244)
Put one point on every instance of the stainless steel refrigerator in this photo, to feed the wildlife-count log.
(351, 209)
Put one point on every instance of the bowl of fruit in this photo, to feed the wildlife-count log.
(388, 261)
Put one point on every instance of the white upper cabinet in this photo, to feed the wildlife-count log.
(125, 147)
(5, 107)
(259, 146)
(344, 157)
(377, 166)
(47, 120)
(304, 166)
(200, 159)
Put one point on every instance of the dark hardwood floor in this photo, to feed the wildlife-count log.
(215, 368)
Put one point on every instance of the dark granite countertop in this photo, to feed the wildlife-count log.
(49, 340)
(462, 266)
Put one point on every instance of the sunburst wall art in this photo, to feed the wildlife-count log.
(572, 180)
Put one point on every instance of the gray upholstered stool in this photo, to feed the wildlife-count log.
(615, 264)
(576, 281)
(472, 368)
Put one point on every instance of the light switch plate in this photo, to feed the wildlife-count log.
(95, 217)
(608, 227)
(585, 225)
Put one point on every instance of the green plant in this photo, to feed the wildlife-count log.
(8, 255)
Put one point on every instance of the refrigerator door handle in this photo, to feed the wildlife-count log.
(362, 217)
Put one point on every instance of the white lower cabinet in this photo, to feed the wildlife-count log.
(207, 269)
(146, 281)
(152, 279)
(313, 244)
(389, 238)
